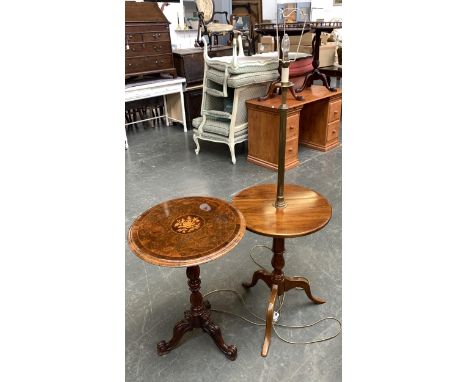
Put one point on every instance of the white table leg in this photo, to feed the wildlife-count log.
(165, 110)
(183, 110)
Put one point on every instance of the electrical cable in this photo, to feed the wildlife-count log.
(275, 323)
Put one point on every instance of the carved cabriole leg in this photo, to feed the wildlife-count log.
(269, 319)
(197, 150)
(180, 329)
(230, 351)
(233, 152)
(303, 283)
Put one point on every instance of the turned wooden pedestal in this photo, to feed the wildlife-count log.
(187, 232)
(306, 212)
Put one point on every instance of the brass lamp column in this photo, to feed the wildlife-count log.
(283, 112)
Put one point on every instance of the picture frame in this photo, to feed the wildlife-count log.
(337, 3)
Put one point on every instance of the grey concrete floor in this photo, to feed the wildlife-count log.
(161, 165)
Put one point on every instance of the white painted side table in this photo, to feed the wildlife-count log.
(170, 89)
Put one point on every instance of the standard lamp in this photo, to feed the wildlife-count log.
(283, 113)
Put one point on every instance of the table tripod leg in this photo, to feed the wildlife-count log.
(269, 94)
(180, 329)
(230, 351)
(261, 274)
(269, 319)
(303, 283)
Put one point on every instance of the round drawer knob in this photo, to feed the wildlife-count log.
(291, 127)
(335, 112)
(156, 61)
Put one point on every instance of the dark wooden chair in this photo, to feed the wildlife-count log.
(209, 27)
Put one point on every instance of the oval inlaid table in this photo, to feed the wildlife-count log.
(187, 232)
(306, 211)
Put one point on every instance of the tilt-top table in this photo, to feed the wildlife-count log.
(305, 212)
(187, 232)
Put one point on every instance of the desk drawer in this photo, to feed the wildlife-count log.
(133, 37)
(333, 131)
(146, 64)
(156, 36)
(334, 111)
(148, 48)
(292, 127)
(291, 150)
(146, 28)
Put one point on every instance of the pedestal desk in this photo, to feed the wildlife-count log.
(313, 122)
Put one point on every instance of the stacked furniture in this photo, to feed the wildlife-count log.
(147, 40)
(189, 63)
(228, 82)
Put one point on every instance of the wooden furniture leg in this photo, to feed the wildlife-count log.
(259, 275)
(279, 284)
(309, 79)
(197, 317)
(269, 319)
(303, 283)
(275, 85)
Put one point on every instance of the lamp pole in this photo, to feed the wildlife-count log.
(283, 114)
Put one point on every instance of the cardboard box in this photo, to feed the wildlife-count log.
(266, 47)
(267, 40)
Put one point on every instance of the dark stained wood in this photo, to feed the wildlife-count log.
(146, 12)
(190, 62)
(197, 317)
(147, 40)
(306, 211)
(186, 231)
(316, 126)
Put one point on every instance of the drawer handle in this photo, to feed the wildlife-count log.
(130, 36)
(335, 112)
(291, 127)
(129, 64)
(157, 35)
(156, 61)
(333, 131)
(290, 150)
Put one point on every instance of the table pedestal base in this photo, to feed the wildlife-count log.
(197, 317)
(279, 284)
(309, 80)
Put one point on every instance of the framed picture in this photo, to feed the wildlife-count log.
(337, 2)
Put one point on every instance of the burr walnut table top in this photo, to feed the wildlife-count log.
(186, 232)
(306, 211)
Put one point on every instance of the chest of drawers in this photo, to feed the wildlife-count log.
(147, 40)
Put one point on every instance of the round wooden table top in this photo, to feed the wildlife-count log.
(306, 211)
(186, 231)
